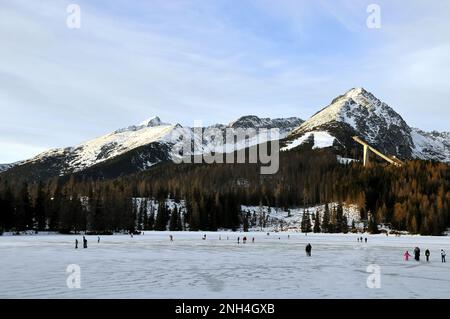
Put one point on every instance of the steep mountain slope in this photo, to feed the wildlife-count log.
(141, 146)
(360, 113)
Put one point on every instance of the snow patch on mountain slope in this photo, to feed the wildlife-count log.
(321, 139)
(345, 160)
(4, 167)
(431, 146)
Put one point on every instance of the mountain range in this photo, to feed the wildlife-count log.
(359, 113)
(139, 147)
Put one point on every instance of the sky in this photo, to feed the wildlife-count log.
(210, 60)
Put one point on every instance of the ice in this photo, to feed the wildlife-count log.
(151, 266)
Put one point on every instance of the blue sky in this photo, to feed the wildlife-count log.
(210, 60)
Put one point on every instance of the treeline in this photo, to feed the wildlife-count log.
(415, 197)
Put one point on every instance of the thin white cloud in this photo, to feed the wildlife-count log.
(186, 60)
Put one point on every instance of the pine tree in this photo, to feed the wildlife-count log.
(344, 224)
(339, 222)
(353, 226)
(317, 228)
(144, 215)
(161, 217)
(306, 222)
(245, 221)
(326, 220)
(372, 227)
(40, 208)
(174, 220)
(24, 210)
(151, 219)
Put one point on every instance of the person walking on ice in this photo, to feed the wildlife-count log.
(308, 250)
(171, 237)
(406, 255)
(98, 239)
(427, 254)
(76, 243)
(239, 239)
(442, 255)
(417, 253)
(84, 242)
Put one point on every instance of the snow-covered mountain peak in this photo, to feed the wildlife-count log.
(362, 111)
(359, 112)
(152, 121)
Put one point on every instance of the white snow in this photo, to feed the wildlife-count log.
(429, 146)
(278, 219)
(151, 266)
(153, 130)
(345, 160)
(356, 104)
(322, 139)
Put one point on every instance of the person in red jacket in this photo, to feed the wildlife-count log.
(407, 255)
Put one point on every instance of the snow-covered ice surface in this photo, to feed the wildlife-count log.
(150, 266)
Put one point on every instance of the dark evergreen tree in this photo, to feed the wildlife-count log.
(174, 220)
(40, 207)
(306, 222)
(326, 220)
(317, 228)
(161, 217)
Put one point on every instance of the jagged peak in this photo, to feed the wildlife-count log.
(255, 121)
(151, 121)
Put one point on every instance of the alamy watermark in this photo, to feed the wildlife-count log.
(73, 20)
(374, 279)
(230, 145)
(73, 281)
(374, 19)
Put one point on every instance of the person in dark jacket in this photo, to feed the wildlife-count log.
(84, 242)
(308, 250)
(76, 243)
(442, 255)
(427, 254)
(417, 253)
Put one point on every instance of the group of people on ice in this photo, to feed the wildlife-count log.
(406, 255)
(360, 239)
(85, 242)
(244, 240)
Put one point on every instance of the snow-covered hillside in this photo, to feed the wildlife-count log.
(163, 136)
(260, 218)
(431, 145)
(264, 218)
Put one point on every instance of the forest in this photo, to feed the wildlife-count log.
(413, 198)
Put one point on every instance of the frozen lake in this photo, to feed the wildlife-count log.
(151, 266)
